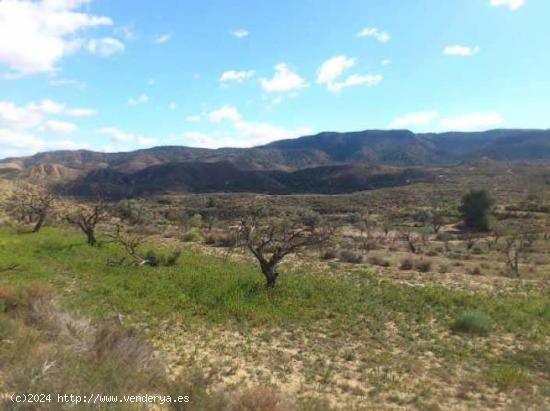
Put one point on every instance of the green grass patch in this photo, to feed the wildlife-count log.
(472, 322)
(508, 377)
(202, 288)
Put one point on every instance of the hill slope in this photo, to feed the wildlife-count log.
(327, 162)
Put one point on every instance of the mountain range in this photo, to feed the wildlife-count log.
(328, 162)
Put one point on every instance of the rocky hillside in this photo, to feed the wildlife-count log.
(327, 162)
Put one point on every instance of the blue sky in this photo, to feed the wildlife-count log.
(120, 75)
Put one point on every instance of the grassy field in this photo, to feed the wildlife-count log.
(349, 339)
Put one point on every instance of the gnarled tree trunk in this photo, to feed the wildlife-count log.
(268, 269)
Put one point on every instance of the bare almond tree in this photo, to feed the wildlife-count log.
(130, 242)
(87, 218)
(515, 248)
(411, 238)
(31, 204)
(272, 241)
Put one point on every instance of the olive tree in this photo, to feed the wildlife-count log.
(475, 209)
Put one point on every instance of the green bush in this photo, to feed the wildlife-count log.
(472, 322)
(156, 259)
(192, 235)
(475, 209)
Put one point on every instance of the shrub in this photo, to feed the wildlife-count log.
(192, 235)
(329, 254)
(156, 259)
(423, 266)
(508, 376)
(379, 261)
(220, 239)
(472, 322)
(475, 208)
(443, 268)
(406, 264)
(349, 256)
(475, 271)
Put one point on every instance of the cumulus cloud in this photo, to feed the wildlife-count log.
(142, 99)
(105, 46)
(283, 80)
(413, 120)
(381, 36)
(244, 133)
(357, 80)
(236, 75)
(240, 33)
(35, 36)
(461, 51)
(21, 126)
(511, 4)
(15, 143)
(471, 122)
(162, 38)
(224, 113)
(59, 127)
(117, 135)
(332, 69)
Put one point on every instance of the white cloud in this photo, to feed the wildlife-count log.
(461, 51)
(21, 126)
(117, 135)
(59, 127)
(162, 38)
(105, 46)
(356, 80)
(262, 133)
(381, 36)
(36, 35)
(471, 122)
(12, 116)
(245, 133)
(15, 143)
(142, 99)
(240, 33)
(385, 62)
(413, 120)
(199, 139)
(283, 80)
(333, 68)
(237, 76)
(224, 113)
(33, 114)
(172, 105)
(47, 106)
(512, 4)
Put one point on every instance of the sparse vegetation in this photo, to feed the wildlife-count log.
(472, 322)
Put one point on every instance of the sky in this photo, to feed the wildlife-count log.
(121, 75)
